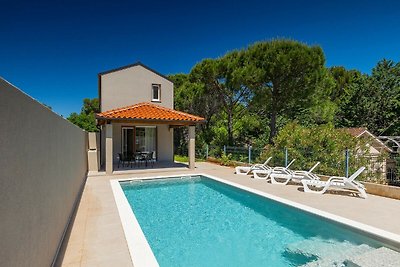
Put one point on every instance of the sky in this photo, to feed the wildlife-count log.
(53, 50)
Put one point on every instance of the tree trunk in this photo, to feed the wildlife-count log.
(272, 125)
(230, 130)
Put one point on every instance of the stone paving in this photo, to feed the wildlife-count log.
(96, 237)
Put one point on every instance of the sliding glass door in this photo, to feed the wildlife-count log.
(127, 140)
(139, 139)
(145, 139)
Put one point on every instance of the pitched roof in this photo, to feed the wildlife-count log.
(149, 112)
(355, 131)
(133, 65)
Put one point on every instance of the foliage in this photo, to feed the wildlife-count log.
(247, 96)
(182, 158)
(227, 80)
(322, 143)
(373, 101)
(226, 160)
(322, 108)
(86, 118)
(288, 73)
(191, 97)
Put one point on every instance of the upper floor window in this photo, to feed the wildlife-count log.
(156, 92)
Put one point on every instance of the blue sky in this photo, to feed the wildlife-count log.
(53, 50)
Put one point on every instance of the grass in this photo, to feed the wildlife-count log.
(181, 158)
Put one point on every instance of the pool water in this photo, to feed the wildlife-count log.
(202, 222)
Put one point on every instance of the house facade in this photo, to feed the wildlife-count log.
(137, 115)
(379, 161)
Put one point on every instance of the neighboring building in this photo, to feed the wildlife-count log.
(379, 159)
(136, 115)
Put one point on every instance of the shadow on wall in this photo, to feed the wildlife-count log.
(43, 168)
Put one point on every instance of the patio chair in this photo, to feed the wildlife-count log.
(336, 182)
(264, 174)
(139, 158)
(245, 170)
(122, 159)
(150, 158)
(290, 175)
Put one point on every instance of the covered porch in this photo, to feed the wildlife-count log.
(141, 137)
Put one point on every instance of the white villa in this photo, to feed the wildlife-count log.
(138, 116)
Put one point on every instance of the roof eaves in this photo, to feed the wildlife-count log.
(143, 119)
(377, 140)
(133, 65)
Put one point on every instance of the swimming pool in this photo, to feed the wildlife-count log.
(199, 221)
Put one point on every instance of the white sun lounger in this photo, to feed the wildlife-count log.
(264, 174)
(245, 170)
(336, 182)
(290, 175)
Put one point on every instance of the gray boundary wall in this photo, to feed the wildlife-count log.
(43, 167)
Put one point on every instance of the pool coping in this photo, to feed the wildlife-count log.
(140, 250)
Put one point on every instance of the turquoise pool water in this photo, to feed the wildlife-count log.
(202, 222)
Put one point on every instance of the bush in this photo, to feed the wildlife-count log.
(321, 143)
(226, 160)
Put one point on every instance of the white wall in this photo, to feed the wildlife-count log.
(131, 86)
(165, 143)
(43, 166)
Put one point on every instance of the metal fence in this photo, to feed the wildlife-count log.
(379, 170)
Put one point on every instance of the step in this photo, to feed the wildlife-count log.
(328, 252)
(383, 256)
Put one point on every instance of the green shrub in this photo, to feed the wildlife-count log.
(226, 160)
(321, 143)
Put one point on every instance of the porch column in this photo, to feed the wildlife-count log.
(191, 146)
(109, 149)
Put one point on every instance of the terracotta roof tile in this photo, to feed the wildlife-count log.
(148, 111)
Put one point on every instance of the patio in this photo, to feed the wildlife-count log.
(156, 167)
(96, 237)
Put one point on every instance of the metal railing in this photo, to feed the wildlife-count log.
(379, 170)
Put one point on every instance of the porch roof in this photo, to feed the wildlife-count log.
(148, 112)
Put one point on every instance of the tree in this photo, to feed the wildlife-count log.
(288, 73)
(321, 108)
(374, 100)
(191, 97)
(228, 80)
(385, 80)
(86, 118)
(343, 81)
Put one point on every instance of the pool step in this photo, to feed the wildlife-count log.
(328, 252)
(378, 257)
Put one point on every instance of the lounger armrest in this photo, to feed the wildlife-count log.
(316, 177)
(301, 172)
(258, 167)
(359, 184)
(281, 170)
(255, 166)
(336, 180)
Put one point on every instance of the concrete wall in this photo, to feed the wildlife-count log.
(133, 85)
(43, 166)
(117, 139)
(93, 152)
(165, 141)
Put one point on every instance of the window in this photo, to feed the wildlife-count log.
(156, 92)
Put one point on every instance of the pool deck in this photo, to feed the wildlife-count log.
(96, 237)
